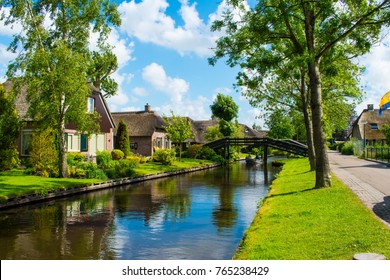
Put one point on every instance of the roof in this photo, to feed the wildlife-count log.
(140, 123)
(22, 105)
(372, 117)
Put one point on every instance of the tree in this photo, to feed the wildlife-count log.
(122, 140)
(178, 129)
(225, 109)
(213, 133)
(9, 131)
(301, 34)
(280, 125)
(53, 60)
(386, 132)
(43, 155)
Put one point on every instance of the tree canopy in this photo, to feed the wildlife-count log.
(54, 60)
(226, 110)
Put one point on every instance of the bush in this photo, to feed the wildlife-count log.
(43, 155)
(347, 148)
(165, 156)
(193, 150)
(9, 159)
(88, 170)
(75, 158)
(206, 153)
(218, 158)
(103, 159)
(117, 154)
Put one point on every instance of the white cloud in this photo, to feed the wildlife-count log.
(376, 79)
(148, 21)
(9, 30)
(175, 88)
(138, 91)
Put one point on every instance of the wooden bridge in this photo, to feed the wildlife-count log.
(290, 146)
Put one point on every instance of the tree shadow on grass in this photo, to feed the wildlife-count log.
(382, 209)
(295, 192)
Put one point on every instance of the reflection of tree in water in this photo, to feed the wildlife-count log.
(225, 215)
(77, 229)
(177, 201)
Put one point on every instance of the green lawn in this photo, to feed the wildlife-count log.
(15, 183)
(297, 222)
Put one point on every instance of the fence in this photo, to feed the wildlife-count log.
(378, 154)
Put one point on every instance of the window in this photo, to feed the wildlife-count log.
(91, 105)
(134, 146)
(159, 142)
(374, 126)
(166, 142)
(26, 142)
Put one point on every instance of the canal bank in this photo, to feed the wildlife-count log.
(35, 197)
(298, 222)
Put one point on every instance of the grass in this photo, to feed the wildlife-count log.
(297, 222)
(15, 183)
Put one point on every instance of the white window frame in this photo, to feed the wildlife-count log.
(90, 105)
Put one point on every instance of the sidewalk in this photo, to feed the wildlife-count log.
(370, 181)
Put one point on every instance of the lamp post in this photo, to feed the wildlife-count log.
(364, 139)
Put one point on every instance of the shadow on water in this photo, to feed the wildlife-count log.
(382, 209)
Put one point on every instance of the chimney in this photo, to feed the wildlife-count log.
(370, 107)
(147, 107)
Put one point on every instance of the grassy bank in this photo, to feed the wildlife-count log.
(15, 183)
(297, 222)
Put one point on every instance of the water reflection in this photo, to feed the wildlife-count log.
(197, 216)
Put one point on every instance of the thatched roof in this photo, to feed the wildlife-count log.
(142, 123)
(21, 104)
(372, 120)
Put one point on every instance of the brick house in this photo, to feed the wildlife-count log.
(76, 141)
(146, 130)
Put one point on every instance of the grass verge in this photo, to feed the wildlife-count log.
(297, 222)
(15, 183)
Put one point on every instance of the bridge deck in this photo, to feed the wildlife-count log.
(290, 146)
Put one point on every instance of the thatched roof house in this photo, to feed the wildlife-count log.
(368, 126)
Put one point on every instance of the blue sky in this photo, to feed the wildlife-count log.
(162, 48)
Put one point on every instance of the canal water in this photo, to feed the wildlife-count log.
(201, 215)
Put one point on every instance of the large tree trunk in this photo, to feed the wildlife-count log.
(308, 122)
(323, 177)
(62, 162)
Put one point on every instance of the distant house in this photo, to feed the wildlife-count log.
(75, 141)
(368, 126)
(146, 130)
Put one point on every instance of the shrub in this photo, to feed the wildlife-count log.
(122, 141)
(218, 158)
(88, 170)
(9, 159)
(74, 158)
(165, 156)
(103, 159)
(347, 148)
(193, 150)
(117, 154)
(206, 153)
(124, 168)
(43, 154)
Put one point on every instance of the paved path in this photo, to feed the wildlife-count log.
(369, 180)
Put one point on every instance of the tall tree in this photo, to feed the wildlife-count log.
(53, 60)
(9, 131)
(178, 129)
(122, 140)
(302, 33)
(226, 110)
(280, 124)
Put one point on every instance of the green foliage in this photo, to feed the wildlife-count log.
(193, 150)
(122, 141)
(103, 159)
(206, 153)
(347, 148)
(178, 129)
(279, 125)
(213, 133)
(165, 156)
(117, 154)
(224, 108)
(75, 158)
(53, 60)
(9, 131)
(87, 170)
(386, 131)
(43, 155)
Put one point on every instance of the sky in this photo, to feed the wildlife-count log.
(162, 48)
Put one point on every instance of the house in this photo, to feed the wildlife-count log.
(146, 130)
(368, 124)
(75, 141)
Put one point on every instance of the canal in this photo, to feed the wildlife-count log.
(201, 215)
